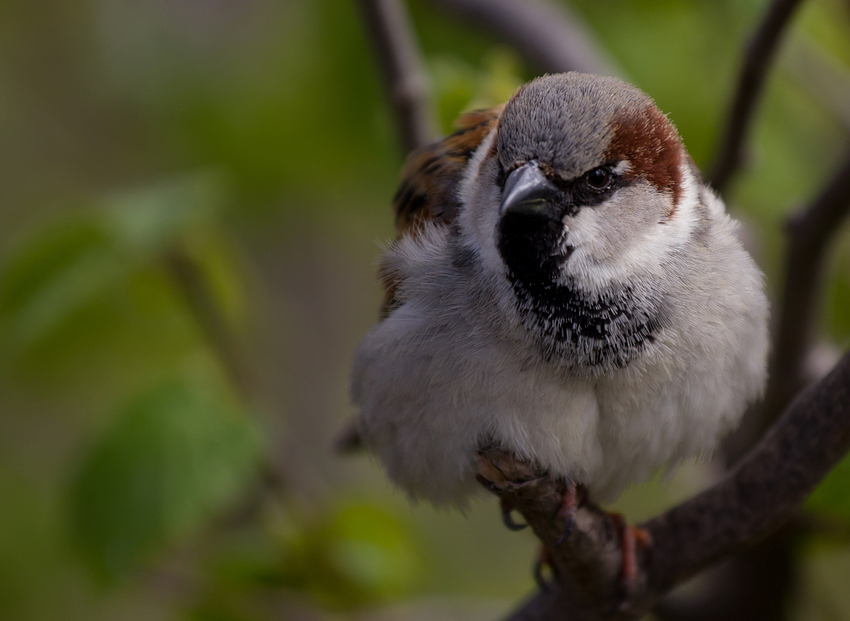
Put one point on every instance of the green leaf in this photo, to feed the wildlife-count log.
(53, 275)
(460, 86)
(348, 555)
(174, 458)
(71, 264)
(153, 218)
(93, 290)
(358, 553)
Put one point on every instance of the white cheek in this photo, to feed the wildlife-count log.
(582, 233)
(594, 263)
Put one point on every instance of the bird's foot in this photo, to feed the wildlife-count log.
(631, 538)
(573, 497)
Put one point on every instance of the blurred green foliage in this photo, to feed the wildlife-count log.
(76, 263)
(191, 197)
(171, 458)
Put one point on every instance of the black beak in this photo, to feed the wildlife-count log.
(528, 192)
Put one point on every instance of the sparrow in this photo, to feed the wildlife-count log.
(564, 287)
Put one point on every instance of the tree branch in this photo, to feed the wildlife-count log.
(763, 490)
(195, 288)
(810, 232)
(398, 57)
(809, 236)
(550, 37)
(752, 501)
(759, 54)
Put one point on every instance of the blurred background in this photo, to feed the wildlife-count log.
(192, 198)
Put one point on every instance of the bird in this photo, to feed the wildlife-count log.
(565, 287)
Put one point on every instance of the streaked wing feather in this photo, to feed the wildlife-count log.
(430, 176)
(430, 179)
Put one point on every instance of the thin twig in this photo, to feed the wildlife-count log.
(549, 36)
(809, 234)
(195, 289)
(398, 57)
(752, 501)
(194, 286)
(759, 54)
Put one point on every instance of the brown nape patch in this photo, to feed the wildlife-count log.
(652, 146)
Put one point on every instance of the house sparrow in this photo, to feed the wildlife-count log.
(564, 287)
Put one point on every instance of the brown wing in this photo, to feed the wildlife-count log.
(430, 178)
(431, 174)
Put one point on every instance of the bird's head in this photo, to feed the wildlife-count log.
(583, 180)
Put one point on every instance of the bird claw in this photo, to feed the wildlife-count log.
(544, 558)
(566, 534)
(507, 519)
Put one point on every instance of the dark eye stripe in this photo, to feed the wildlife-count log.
(586, 192)
(579, 190)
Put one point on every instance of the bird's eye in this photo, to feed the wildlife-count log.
(598, 178)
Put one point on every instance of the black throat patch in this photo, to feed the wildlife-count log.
(595, 331)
